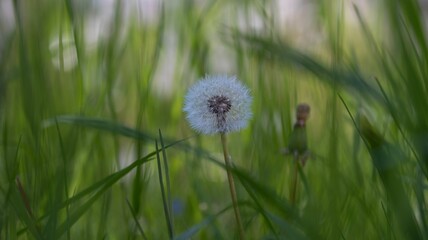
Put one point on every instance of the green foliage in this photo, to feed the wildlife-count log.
(80, 120)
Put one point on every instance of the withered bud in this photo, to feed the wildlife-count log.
(302, 113)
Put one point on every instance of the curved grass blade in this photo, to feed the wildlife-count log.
(260, 208)
(100, 124)
(137, 223)
(197, 227)
(346, 76)
(289, 231)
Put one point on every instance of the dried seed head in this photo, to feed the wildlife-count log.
(218, 104)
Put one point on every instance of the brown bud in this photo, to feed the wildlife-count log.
(302, 113)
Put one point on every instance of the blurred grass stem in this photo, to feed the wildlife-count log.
(232, 185)
(294, 182)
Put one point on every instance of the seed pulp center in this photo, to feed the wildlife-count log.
(220, 105)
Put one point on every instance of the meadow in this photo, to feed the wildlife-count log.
(94, 143)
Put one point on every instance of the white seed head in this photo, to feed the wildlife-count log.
(218, 104)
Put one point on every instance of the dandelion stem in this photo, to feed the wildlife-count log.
(232, 186)
(293, 188)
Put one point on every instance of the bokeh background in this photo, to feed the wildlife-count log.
(90, 90)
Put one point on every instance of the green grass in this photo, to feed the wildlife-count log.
(92, 147)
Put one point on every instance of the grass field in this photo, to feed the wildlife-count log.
(94, 143)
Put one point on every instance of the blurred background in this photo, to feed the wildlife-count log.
(88, 88)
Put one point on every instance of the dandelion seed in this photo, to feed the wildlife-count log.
(218, 104)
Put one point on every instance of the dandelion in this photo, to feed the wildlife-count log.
(220, 104)
(298, 146)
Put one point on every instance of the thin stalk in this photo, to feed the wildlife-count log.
(294, 182)
(232, 186)
(164, 200)
(24, 198)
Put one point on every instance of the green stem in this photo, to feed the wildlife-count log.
(232, 186)
(293, 188)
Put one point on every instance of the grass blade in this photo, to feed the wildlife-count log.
(104, 185)
(168, 182)
(100, 124)
(65, 179)
(164, 200)
(137, 223)
(20, 201)
(101, 185)
(347, 77)
(196, 228)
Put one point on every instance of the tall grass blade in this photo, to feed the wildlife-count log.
(168, 182)
(65, 175)
(164, 200)
(77, 37)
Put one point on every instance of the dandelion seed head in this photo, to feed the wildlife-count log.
(218, 104)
